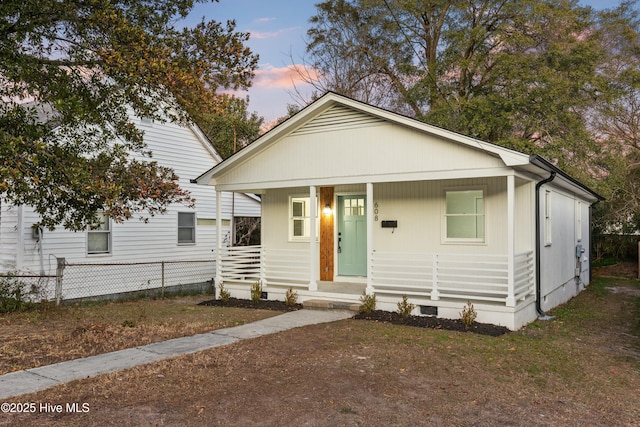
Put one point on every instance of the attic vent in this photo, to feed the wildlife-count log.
(338, 118)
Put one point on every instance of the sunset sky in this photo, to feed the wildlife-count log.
(278, 30)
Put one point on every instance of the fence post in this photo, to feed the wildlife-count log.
(59, 274)
(162, 284)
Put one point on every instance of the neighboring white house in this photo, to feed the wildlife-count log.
(182, 234)
(356, 198)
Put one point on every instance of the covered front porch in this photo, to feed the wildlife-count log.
(441, 243)
(428, 279)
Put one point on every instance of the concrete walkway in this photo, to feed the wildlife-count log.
(36, 379)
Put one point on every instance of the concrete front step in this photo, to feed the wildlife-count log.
(321, 304)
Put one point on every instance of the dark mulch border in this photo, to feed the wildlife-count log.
(260, 305)
(377, 316)
(433, 323)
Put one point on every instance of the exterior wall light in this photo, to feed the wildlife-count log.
(327, 209)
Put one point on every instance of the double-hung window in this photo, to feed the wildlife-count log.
(300, 218)
(99, 237)
(186, 228)
(464, 216)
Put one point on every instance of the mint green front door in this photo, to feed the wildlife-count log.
(352, 236)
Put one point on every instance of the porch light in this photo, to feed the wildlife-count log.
(327, 209)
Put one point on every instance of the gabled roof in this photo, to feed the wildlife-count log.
(369, 116)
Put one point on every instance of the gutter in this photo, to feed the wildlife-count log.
(554, 172)
(541, 314)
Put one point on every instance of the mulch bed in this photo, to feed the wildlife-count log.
(378, 316)
(433, 323)
(259, 305)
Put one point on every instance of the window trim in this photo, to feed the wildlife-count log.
(109, 234)
(548, 221)
(444, 222)
(579, 221)
(192, 227)
(291, 218)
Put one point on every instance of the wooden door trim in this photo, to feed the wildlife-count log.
(327, 234)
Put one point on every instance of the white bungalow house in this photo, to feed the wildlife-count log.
(120, 254)
(356, 198)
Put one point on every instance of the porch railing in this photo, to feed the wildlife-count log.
(419, 274)
(524, 275)
(241, 264)
(248, 264)
(453, 276)
(286, 267)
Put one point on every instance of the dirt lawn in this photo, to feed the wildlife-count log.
(582, 368)
(55, 334)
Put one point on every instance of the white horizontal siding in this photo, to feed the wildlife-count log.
(178, 147)
(8, 237)
(377, 152)
(417, 206)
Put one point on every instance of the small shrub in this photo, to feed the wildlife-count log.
(368, 303)
(291, 297)
(405, 307)
(13, 296)
(468, 314)
(224, 294)
(256, 291)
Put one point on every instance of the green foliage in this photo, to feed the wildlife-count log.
(224, 294)
(256, 291)
(13, 295)
(72, 70)
(232, 127)
(491, 69)
(291, 297)
(552, 78)
(367, 303)
(468, 314)
(405, 308)
(599, 287)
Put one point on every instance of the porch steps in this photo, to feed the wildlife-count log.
(321, 304)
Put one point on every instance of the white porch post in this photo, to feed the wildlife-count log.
(218, 237)
(511, 240)
(370, 216)
(313, 248)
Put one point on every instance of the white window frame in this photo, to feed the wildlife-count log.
(193, 227)
(103, 220)
(306, 218)
(548, 223)
(483, 215)
(579, 221)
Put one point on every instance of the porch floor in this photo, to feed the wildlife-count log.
(322, 304)
(349, 288)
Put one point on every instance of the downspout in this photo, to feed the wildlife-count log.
(541, 314)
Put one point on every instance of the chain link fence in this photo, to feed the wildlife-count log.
(81, 281)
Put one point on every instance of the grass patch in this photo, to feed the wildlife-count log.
(48, 334)
(576, 368)
(605, 262)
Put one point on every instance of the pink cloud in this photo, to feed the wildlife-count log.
(282, 77)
